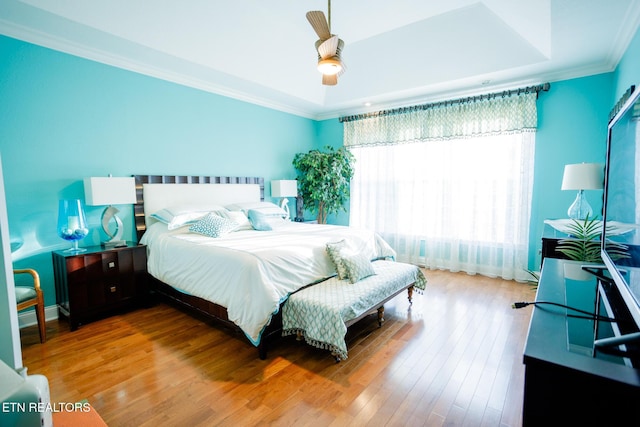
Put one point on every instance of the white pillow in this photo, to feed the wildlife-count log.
(238, 217)
(266, 208)
(178, 216)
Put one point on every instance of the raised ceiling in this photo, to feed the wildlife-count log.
(397, 52)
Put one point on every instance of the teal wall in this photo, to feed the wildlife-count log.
(63, 118)
(572, 128)
(628, 71)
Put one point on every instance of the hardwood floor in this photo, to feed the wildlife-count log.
(453, 358)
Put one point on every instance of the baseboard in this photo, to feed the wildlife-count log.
(28, 318)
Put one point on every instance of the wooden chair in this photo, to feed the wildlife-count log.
(27, 296)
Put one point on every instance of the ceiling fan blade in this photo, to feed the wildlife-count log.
(344, 68)
(328, 48)
(329, 80)
(319, 24)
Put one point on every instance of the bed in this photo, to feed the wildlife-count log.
(243, 277)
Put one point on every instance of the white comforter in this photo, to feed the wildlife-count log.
(251, 272)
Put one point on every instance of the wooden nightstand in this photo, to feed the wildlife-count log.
(99, 281)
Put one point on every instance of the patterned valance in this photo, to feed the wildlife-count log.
(486, 115)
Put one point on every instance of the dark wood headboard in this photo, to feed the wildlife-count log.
(138, 208)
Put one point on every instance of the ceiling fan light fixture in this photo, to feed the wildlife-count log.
(330, 66)
(329, 47)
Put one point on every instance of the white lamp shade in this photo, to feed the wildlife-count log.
(284, 188)
(583, 176)
(99, 191)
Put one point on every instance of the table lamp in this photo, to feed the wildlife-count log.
(284, 188)
(100, 191)
(582, 176)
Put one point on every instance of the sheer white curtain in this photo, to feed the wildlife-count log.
(449, 187)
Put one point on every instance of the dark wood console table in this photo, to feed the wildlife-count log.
(550, 240)
(568, 387)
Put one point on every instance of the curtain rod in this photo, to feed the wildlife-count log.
(530, 89)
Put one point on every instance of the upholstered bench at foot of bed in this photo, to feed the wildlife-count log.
(322, 313)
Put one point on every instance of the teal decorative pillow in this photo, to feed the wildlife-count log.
(357, 266)
(213, 225)
(262, 222)
(333, 250)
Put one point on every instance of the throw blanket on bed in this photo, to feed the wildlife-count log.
(251, 272)
(319, 312)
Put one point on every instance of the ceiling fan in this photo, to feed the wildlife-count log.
(329, 47)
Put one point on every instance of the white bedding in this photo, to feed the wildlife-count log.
(251, 272)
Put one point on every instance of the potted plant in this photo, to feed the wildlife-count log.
(323, 179)
(583, 244)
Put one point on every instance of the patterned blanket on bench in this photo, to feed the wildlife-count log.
(320, 312)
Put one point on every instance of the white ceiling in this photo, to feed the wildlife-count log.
(398, 52)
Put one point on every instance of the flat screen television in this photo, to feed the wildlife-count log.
(621, 224)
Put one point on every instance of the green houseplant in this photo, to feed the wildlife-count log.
(584, 242)
(323, 179)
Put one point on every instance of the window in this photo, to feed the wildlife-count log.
(456, 201)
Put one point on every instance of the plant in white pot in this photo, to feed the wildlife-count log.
(583, 244)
